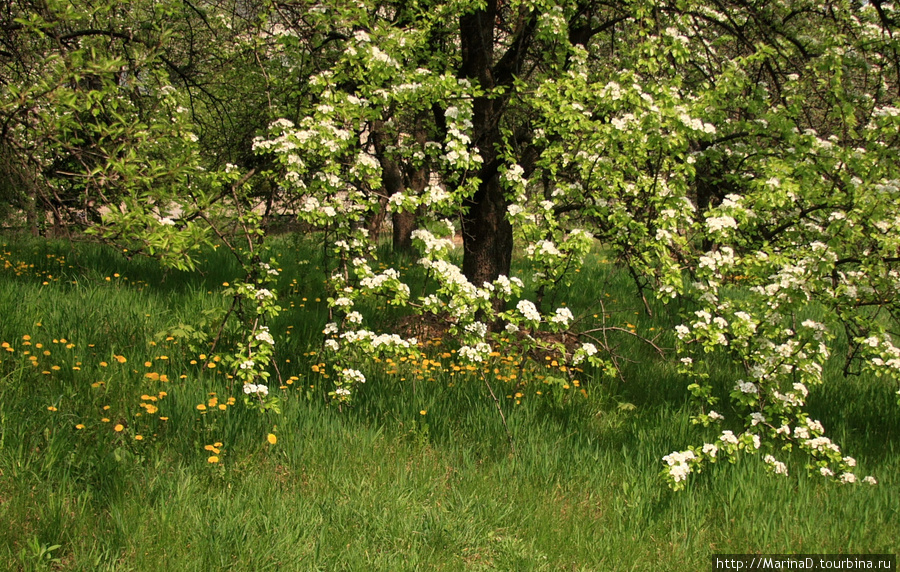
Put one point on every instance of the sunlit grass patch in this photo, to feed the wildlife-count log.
(131, 452)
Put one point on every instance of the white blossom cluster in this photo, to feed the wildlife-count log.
(679, 464)
(256, 389)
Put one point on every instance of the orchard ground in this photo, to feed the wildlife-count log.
(124, 444)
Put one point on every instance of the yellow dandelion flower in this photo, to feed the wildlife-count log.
(272, 438)
(26, 337)
(121, 359)
(80, 426)
(201, 407)
(163, 418)
(423, 412)
(103, 364)
(212, 459)
(51, 408)
(223, 407)
(138, 437)
(148, 364)
(217, 444)
(118, 428)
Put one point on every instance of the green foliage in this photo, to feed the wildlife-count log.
(740, 161)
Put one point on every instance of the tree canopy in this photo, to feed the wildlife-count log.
(739, 155)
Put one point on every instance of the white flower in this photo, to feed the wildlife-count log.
(342, 392)
(870, 480)
(679, 457)
(815, 426)
(746, 386)
(330, 328)
(679, 468)
(477, 328)
(264, 336)
(801, 388)
(715, 416)
(562, 317)
(260, 389)
(680, 472)
(780, 468)
(716, 223)
(851, 462)
(757, 418)
(728, 437)
(848, 478)
(353, 376)
(248, 364)
(528, 309)
(710, 449)
(826, 472)
(332, 345)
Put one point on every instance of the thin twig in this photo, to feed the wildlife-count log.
(512, 445)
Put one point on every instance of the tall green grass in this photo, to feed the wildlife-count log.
(417, 475)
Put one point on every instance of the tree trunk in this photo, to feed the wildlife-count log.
(404, 223)
(403, 226)
(487, 234)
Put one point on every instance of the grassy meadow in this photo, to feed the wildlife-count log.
(113, 405)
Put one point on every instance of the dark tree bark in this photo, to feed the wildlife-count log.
(393, 180)
(487, 234)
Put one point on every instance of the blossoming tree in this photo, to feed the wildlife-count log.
(742, 158)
